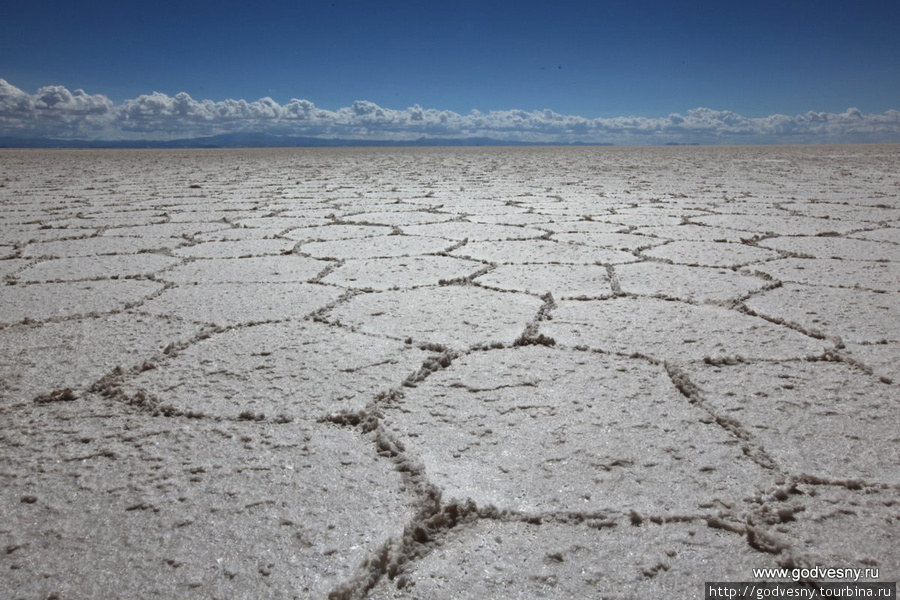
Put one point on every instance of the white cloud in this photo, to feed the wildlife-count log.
(56, 112)
(57, 98)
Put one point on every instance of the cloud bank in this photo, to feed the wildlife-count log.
(54, 111)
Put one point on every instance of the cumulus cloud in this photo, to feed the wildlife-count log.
(54, 111)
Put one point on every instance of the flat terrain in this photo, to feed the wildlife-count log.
(446, 373)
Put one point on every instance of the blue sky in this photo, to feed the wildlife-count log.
(591, 60)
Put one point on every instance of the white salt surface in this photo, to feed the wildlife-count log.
(445, 373)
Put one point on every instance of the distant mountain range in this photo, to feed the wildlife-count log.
(264, 140)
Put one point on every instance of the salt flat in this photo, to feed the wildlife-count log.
(446, 373)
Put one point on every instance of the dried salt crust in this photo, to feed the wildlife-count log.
(262, 427)
(403, 272)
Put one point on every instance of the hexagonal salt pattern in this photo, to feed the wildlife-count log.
(686, 283)
(376, 247)
(97, 267)
(869, 275)
(851, 525)
(562, 281)
(541, 251)
(854, 315)
(40, 301)
(296, 369)
(99, 246)
(777, 224)
(186, 509)
(617, 241)
(472, 231)
(430, 372)
(258, 269)
(835, 247)
(38, 360)
(600, 558)
(227, 304)
(536, 429)
(403, 272)
(458, 316)
(675, 331)
(710, 254)
(827, 420)
(236, 249)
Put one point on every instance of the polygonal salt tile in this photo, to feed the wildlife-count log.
(136, 218)
(236, 249)
(297, 369)
(511, 219)
(39, 359)
(270, 269)
(675, 331)
(641, 220)
(535, 429)
(231, 304)
(386, 206)
(880, 235)
(882, 356)
(12, 266)
(710, 254)
(694, 233)
(854, 315)
(596, 559)
(335, 232)
(831, 210)
(188, 508)
(736, 207)
(616, 241)
(323, 211)
(563, 281)
(672, 208)
(459, 316)
(563, 210)
(211, 215)
(818, 525)
(239, 234)
(832, 247)
(384, 246)
(874, 276)
(786, 224)
(96, 246)
(460, 230)
(176, 206)
(491, 208)
(97, 267)
(823, 419)
(23, 234)
(46, 300)
(593, 227)
(695, 284)
(282, 223)
(404, 272)
(399, 218)
(541, 251)
(176, 230)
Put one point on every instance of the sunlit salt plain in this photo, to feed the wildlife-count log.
(446, 373)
